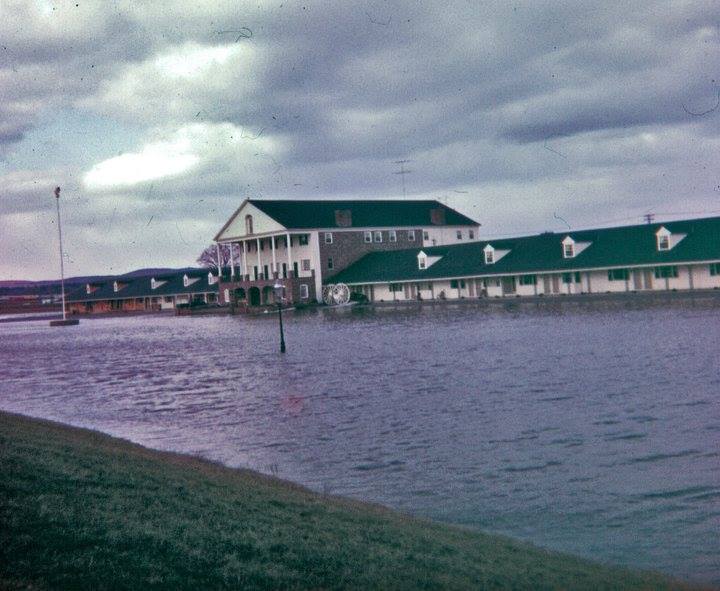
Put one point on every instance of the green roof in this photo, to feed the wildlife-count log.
(369, 213)
(139, 287)
(608, 248)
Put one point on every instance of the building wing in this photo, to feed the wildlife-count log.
(628, 246)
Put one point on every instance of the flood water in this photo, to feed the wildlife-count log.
(590, 429)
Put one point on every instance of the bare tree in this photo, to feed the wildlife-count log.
(209, 257)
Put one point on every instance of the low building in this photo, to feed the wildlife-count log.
(304, 243)
(679, 255)
(153, 293)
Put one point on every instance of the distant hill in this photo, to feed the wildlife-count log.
(52, 286)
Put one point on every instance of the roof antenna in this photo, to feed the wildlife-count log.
(649, 218)
(402, 172)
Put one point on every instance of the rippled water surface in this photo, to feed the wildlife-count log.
(594, 429)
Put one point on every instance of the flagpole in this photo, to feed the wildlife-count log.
(62, 264)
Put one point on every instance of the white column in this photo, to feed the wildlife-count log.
(257, 244)
(274, 260)
(219, 260)
(289, 253)
(232, 261)
(244, 260)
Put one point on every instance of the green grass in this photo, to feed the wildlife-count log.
(81, 510)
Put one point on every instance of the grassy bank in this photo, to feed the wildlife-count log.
(79, 509)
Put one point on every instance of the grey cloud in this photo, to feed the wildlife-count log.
(529, 107)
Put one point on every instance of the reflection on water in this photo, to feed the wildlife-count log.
(588, 429)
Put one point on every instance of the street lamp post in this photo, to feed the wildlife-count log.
(279, 288)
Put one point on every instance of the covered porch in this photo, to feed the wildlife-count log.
(243, 291)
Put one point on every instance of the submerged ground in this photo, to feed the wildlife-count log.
(79, 509)
(586, 428)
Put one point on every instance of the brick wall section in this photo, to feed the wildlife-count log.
(292, 288)
(349, 246)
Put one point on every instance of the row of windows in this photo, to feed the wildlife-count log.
(618, 274)
(299, 240)
(377, 236)
(613, 275)
(571, 277)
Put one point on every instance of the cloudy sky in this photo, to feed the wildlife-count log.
(158, 118)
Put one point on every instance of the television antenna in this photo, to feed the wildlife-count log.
(402, 172)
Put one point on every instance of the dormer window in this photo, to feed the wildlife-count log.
(153, 283)
(422, 260)
(663, 238)
(248, 224)
(116, 287)
(489, 252)
(211, 278)
(88, 289)
(186, 281)
(568, 248)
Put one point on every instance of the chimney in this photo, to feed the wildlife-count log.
(343, 218)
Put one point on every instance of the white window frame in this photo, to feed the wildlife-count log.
(471, 234)
(377, 236)
(426, 235)
(663, 242)
(458, 234)
(569, 251)
(328, 238)
(392, 236)
(304, 291)
(305, 264)
(489, 257)
(368, 236)
(411, 235)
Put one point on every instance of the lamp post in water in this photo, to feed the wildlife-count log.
(65, 321)
(279, 289)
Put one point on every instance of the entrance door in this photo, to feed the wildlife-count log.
(508, 285)
(254, 294)
(637, 280)
(555, 284)
(648, 274)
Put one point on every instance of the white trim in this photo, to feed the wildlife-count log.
(412, 227)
